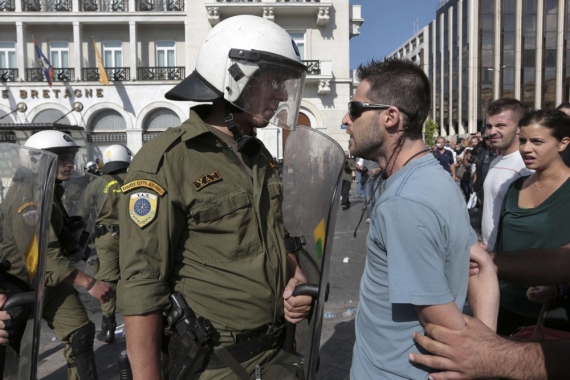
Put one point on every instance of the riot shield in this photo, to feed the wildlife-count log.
(312, 169)
(82, 200)
(27, 178)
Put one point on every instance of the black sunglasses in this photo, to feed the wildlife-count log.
(355, 109)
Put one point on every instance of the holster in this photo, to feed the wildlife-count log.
(188, 347)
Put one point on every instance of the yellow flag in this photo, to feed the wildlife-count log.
(102, 73)
(32, 257)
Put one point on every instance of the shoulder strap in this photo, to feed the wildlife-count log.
(150, 163)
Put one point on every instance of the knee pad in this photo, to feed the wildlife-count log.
(83, 339)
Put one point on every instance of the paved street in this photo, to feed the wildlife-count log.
(337, 336)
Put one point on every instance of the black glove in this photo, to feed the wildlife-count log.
(17, 323)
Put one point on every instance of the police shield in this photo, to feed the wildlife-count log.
(82, 201)
(312, 169)
(27, 178)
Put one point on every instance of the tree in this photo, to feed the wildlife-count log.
(431, 132)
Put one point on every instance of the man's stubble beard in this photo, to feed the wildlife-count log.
(373, 147)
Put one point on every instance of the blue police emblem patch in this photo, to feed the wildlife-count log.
(142, 208)
(30, 217)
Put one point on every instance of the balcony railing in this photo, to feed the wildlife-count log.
(276, 1)
(47, 5)
(104, 5)
(160, 5)
(91, 74)
(160, 73)
(313, 67)
(8, 75)
(7, 6)
(60, 75)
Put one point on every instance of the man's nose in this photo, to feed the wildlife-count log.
(346, 120)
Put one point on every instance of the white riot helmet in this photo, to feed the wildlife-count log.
(92, 168)
(239, 56)
(53, 141)
(116, 157)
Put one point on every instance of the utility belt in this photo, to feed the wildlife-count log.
(191, 350)
(101, 230)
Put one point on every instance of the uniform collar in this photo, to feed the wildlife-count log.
(195, 125)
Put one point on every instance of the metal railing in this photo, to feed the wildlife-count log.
(7, 6)
(160, 5)
(313, 67)
(91, 74)
(47, 5)
(104, 5)
(160, 73)
(276, 1)
(8, 75)
(60, 75)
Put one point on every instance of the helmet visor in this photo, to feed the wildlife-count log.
(269, 88)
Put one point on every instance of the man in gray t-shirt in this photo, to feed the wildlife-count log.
(420, 239)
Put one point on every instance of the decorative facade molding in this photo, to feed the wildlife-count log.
(324, 86)
(213, 15)
(323, 16)
(268, 14)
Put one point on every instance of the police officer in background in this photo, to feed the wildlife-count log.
(201, 218)
(92, 168)
(116, 160)
(63, 310)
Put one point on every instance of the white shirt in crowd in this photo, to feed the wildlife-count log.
(503, 171)
(453, 152)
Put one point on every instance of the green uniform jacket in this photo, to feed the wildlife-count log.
(20, 210)
(216, 236)
(109, 214)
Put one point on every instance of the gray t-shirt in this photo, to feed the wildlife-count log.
(417, 254)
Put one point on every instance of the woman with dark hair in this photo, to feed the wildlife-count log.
(535, 210)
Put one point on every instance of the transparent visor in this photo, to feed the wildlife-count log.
(269, 90)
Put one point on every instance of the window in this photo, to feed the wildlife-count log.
(7, 55)
(112, 54)
(59, 54)
(165, 53)
(299, 38)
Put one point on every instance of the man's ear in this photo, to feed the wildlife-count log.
(392, 118)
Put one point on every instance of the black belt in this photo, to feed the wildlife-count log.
(250, 344)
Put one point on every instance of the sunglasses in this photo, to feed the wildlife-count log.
(355, 109)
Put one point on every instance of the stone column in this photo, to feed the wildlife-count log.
(21, 50)
(539, 53)
(497, 52)
(77, 33)
(560, 52)
(518, 50)
(133, 46)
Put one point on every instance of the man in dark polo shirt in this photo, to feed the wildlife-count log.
(445, 157)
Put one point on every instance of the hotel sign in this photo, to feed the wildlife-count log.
(55, 93)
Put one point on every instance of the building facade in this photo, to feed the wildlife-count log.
(476, 51)
(147, 47)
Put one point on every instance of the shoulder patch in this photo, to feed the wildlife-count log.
(205, 180)
(26, 205)
(142, 208)
(143, 183)
(271, 164)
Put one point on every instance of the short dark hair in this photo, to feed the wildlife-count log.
(401, 83)
(563, 105)
(556, 121)
(506, 104)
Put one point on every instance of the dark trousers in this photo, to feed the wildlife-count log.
(465, 185)
(344, 193)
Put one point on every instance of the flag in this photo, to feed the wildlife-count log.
(102, 73)
(46, 66)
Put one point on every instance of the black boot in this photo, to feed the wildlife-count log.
(82, 348)
(108, 326)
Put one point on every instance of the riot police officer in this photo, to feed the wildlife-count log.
(201, 218)
(116, 160)
(92, 168)
(63, 310)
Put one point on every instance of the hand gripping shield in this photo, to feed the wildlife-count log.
(82, 201)
(313, 161)
(27, 178)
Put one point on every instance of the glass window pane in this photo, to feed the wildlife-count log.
(529, 58)
(7, 45)
(170, 61)
(487, 22)
(529, 41)
(508, 75)
(55, 59)
(487, 58)
(58, 45)
(160, 58)
(301, 48)
(529, 23)
(108, 58)
(12, 59)
(509, 23)
(487, 6)
(487, 40)
(112, 44)
(509, 6)
(508, 57)
(65, 58)
(118, 58)
(3, 60)
(508, 41)
(165, 43)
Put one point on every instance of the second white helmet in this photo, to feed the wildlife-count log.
(116, 157)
